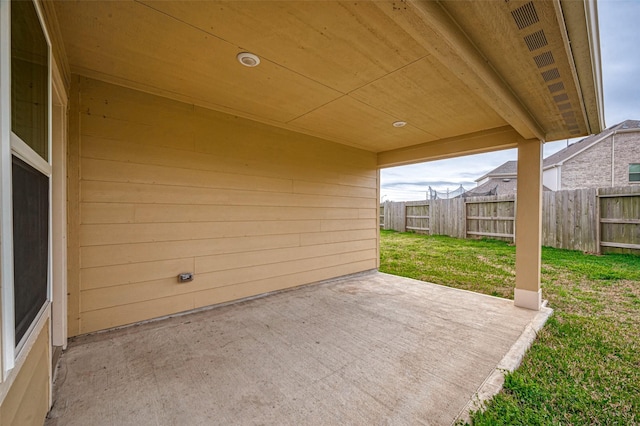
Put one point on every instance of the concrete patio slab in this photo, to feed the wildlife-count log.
(366, 349)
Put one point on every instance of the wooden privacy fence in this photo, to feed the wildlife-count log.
(591, 220)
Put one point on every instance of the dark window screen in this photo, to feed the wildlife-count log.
(30, 243)
(29, 78)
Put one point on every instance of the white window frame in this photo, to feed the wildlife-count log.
(632, 182)
(11, 144)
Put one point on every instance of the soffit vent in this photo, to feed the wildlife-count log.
(551, 74)
(536, 40)
(544, 60)
(556, 87)
(525, 15)
(561, 98)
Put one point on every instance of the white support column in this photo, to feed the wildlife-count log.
(529, 225)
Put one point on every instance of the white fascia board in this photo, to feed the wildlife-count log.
(593, 33)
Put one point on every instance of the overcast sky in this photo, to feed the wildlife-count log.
(620, 47)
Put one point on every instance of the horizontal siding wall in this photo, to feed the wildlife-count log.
(167, 187)
(27, 401)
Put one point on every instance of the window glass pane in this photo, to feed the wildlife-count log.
(30, 243)
(634, 168)
(634, 177)
(29, 78)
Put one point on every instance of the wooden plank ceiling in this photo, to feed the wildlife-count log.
(346, 71)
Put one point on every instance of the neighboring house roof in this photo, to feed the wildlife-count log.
(502, 186)
(510, 168)
(502, 180)
(574, 149)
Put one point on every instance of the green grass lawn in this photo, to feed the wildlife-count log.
(584, 367)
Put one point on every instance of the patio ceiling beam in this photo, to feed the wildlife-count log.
(440, 35)
(474, 143)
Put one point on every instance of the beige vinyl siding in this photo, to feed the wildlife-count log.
(166, 187)
(27, 401)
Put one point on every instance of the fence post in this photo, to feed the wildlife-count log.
(515, 214)
(598, 223)
(465, 214)
(387, 215)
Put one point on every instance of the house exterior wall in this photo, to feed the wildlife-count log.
(26, 402)
(164, 187)
(550, 178)
(627, 150)
(589, 169)
(592, 168)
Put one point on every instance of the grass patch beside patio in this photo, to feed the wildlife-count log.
(584, 367)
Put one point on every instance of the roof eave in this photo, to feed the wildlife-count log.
(581, 20)
(498, 176)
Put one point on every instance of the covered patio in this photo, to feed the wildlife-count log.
(171, 156)
(370, 348)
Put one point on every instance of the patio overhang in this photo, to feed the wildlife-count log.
(345, 71)
(402, 82)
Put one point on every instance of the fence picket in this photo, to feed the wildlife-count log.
(590, 220)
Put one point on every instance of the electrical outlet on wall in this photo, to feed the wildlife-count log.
(185, 277)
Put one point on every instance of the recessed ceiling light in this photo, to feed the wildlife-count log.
(248, 59)
(399, 123)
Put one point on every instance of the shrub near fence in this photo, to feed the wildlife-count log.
(590, 220)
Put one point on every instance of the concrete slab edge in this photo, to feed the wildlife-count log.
(512, 359)
(448, 287)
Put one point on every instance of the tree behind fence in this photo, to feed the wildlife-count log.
(590, 220)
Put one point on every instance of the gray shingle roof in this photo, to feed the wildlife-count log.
(508, 168)
(573, 149)
(502, 187)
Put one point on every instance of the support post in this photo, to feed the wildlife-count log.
(529, 225)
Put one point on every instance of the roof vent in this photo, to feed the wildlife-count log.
(552, 74)
(556, 87)
(561, 98)
(536, 40)
(544, 60)
(525, 15)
